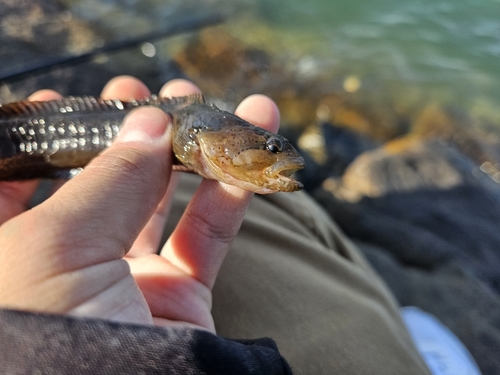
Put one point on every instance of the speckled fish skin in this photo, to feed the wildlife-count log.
(47, 139)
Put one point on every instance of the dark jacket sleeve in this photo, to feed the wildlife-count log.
(53, 344)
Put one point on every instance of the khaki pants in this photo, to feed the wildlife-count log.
(293, 276)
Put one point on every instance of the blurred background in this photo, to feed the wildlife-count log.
(394, 105)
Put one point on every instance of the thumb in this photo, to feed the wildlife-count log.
(105, 207)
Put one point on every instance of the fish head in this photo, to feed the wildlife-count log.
(252, 158)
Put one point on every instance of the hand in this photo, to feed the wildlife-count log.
(90, 249)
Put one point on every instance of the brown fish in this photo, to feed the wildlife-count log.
(48, 139)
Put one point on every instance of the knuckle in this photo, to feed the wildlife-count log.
(128, 160)
(210, 229)
(133, 163)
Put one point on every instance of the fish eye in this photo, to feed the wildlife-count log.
(275, 145)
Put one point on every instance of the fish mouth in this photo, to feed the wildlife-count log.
(279, 175)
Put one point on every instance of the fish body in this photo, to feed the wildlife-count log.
(47, 139)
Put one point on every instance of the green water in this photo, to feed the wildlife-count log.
(443, 51)
(449, 48)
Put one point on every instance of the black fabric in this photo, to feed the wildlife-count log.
(53, 344)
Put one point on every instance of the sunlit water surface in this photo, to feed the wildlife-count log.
(446, 51)
(450, 49)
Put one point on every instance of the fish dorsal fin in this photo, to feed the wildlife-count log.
(186, 100)
(178, 102)
(195, 98)
(18, 109)
(91, 104)
(57, 106)
(28, 108)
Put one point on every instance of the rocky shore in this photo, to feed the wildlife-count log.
(414, 184)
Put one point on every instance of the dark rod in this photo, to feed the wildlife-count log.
(185, 25)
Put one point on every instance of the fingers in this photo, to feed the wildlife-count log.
(125, 88)
(261, 111)
(14, 198)
(149, 240)
(179, 87)
(213, 217)
(117, 194)
(44, 95)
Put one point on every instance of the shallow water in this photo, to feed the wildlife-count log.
(446, 46)
(451, 49)
(443, 52)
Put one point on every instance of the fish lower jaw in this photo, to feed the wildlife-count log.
(281, 180)
(286, 184)
(263, 184)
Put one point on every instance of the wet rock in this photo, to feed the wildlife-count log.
(373, 117)
(457, 128)
(44, 35)
(331, 154)
(406, 165)
(33, 31)
(221, 63)
(218, 62)
(426, 204)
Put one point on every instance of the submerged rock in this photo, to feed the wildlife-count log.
(458, 129)
(330, 156)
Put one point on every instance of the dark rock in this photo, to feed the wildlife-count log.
(427, 219)
(458, 299)
(426, 205)
(340, 147)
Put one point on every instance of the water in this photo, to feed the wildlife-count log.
(449, 49)
(445, 51)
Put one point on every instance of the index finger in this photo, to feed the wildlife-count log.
(149, 240)
(214, 215)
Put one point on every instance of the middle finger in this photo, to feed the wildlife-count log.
(149, 239)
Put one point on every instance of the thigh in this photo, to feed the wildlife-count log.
(293, 276)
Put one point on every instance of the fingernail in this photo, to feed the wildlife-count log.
(143, 125)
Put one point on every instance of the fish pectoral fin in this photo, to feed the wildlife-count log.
(177, 166)
(181, 168)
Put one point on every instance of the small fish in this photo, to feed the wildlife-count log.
(48, 139)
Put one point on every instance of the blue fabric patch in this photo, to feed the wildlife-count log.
(441, 350)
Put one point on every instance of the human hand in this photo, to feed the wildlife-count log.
(90, 249)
